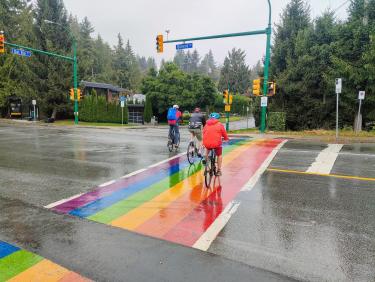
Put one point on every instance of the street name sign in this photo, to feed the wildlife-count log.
(184, 46)
(21, 52)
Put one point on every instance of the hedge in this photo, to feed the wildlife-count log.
(97, 109)
(276, 121)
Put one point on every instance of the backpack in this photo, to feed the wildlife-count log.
(172, 114)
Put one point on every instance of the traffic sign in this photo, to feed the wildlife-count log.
(184, 46)
(263, 101)
(21, 52)
(338, 82)
(122, 104)
(227, 108)
(122, 98)
(361, 95)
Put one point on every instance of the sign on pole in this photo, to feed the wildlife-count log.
(338, 85)
(263, 101)
(122, 104)
(122, 98)
(184, 46)
(361, 95)
(227, 108)
(21, 52)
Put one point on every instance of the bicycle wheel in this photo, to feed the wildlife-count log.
(191, 152)
(209, 171)
(170, 145)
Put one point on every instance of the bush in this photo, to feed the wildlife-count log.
(147, 115)
(276, 121)
(97, 109)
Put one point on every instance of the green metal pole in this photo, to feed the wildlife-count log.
(75, 81)
(266, 71)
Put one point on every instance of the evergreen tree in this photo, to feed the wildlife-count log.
(235, 72)
(56, 75)
(179, 58)
(151, 64)
(147, 115)
(209, 68)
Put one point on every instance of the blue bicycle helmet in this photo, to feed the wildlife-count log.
(215, 115)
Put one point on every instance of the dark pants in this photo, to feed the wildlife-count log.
(176, 135)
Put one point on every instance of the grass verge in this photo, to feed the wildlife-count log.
(71, 122)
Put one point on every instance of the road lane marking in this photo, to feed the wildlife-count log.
(326, 159)
(52, 205)
(107, 183)
(254, 179)
(205, 241)
(322, 174)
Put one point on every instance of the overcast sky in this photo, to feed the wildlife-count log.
(141, 20)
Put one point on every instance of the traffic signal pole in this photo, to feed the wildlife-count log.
(266, 71)
(268, 32)
(70, 59)
(75, 81)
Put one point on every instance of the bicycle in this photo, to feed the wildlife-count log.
(172, 142)
(192, 151)
(210, 169)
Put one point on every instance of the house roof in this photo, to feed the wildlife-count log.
(98, 85)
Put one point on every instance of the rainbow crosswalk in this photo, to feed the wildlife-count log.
(19, 265)
(169, 201)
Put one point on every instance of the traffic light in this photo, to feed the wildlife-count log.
(79, 95)
(2, 44)
(225, 97)
(271, 88)
(230, 99)
(159, 43)
(71, 94)
(256, 87)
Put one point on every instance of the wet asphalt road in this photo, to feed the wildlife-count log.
(309, 227)
(41, 165)
(306, 227)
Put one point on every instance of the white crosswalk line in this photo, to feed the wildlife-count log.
(326, 159)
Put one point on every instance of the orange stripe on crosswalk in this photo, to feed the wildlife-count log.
(44, 270)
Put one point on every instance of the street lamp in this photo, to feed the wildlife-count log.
(75, 68)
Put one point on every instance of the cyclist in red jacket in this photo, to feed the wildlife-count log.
(213, 132)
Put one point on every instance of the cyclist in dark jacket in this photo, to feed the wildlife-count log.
(196, 123)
